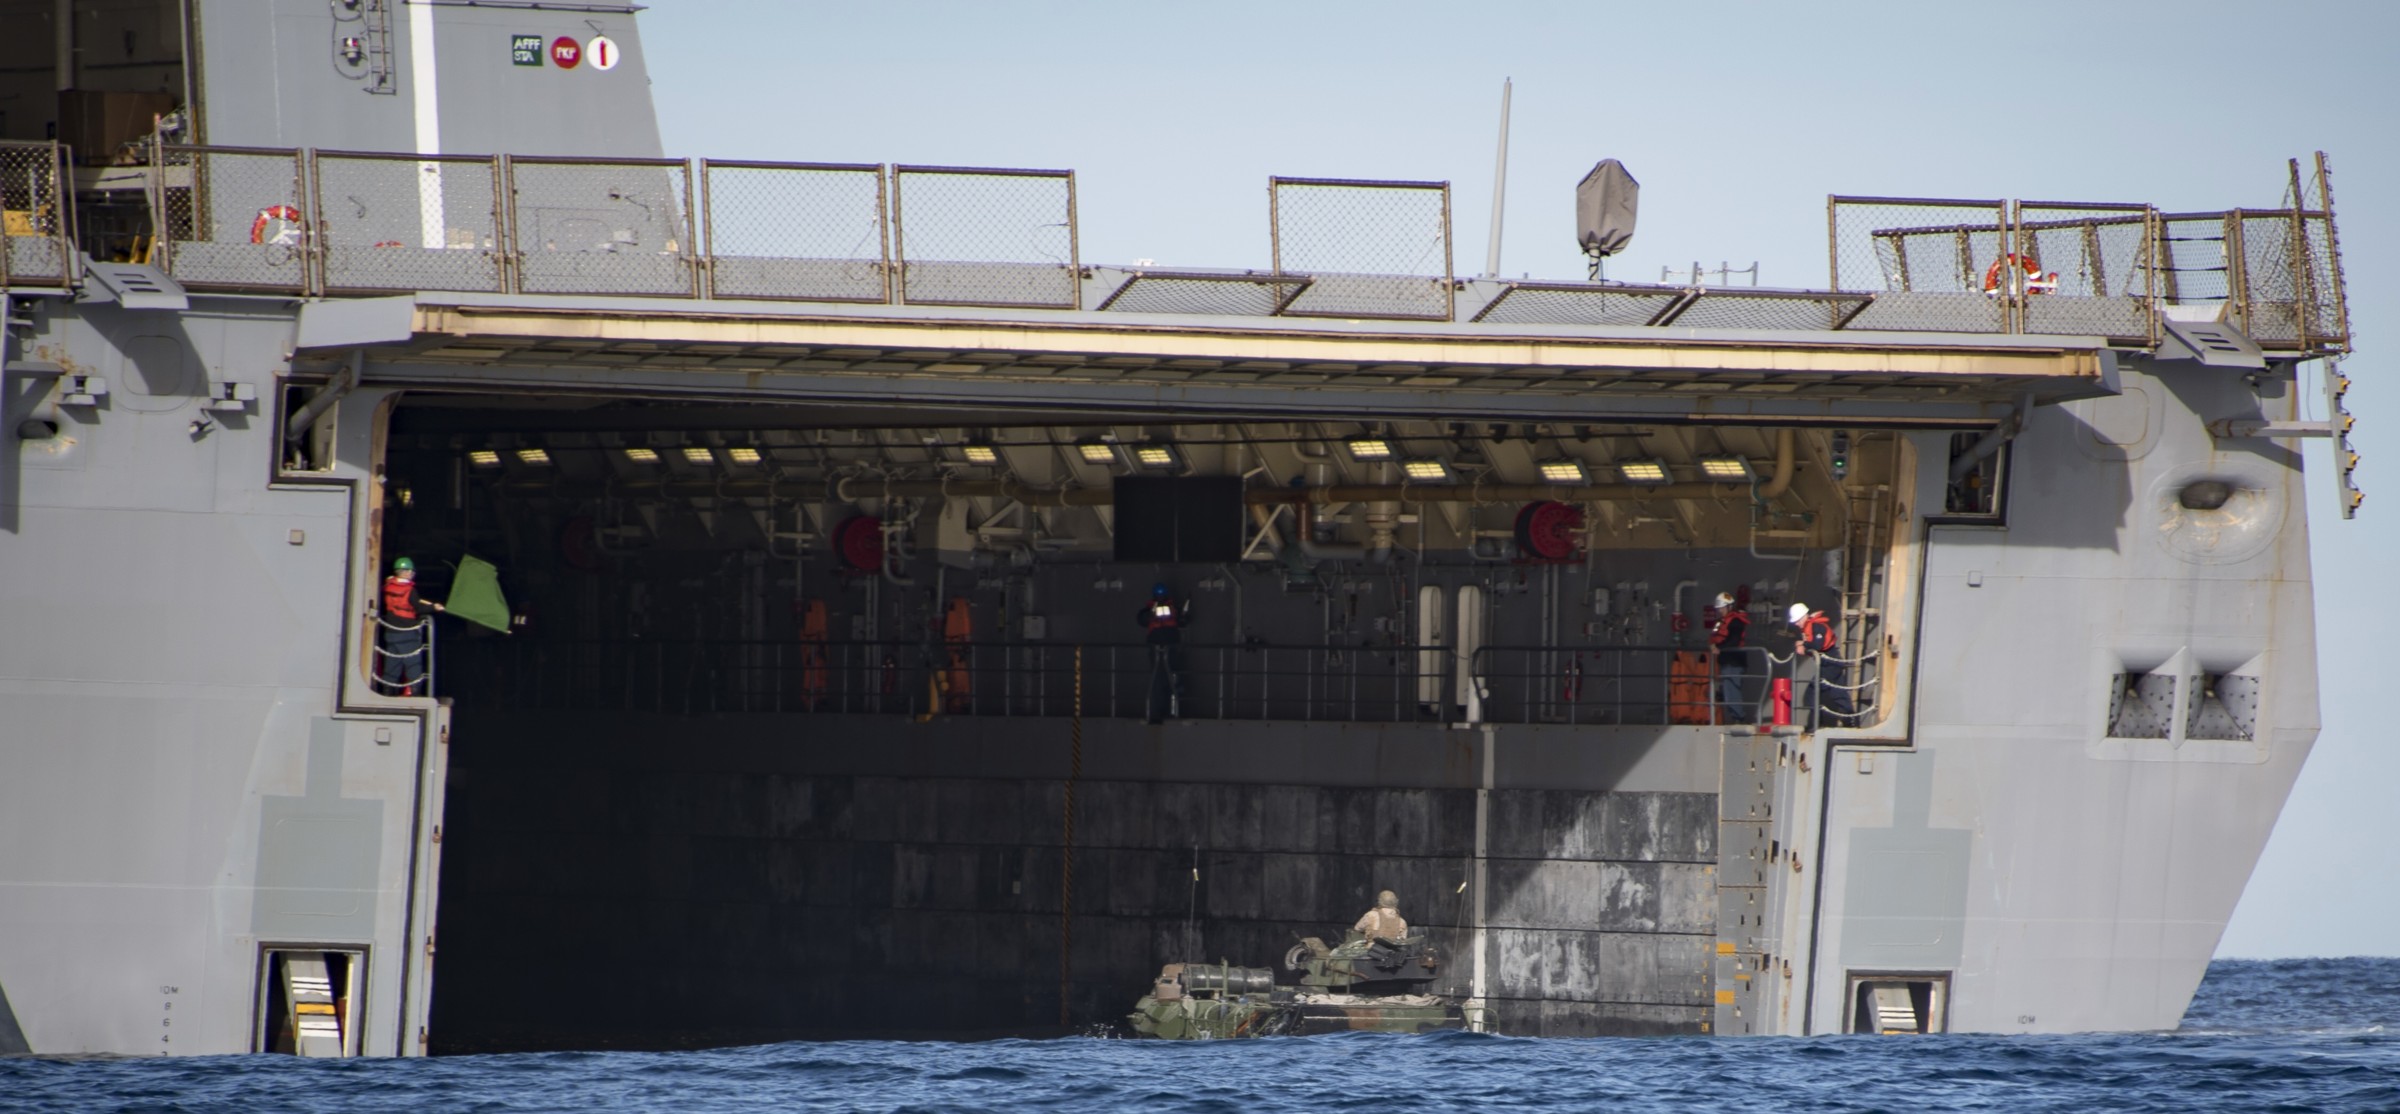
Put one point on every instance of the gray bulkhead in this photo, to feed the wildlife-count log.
(2070, 853)
(186, 785)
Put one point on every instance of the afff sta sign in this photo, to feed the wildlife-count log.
(525, 50)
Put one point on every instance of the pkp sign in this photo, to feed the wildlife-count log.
(565, 53)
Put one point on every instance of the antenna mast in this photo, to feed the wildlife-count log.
(1491, 255)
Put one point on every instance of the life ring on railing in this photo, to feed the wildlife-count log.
(2017, 275)
(276, 224)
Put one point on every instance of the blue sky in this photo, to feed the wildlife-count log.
(1737, 118)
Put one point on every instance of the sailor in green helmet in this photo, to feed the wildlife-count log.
(401, 645)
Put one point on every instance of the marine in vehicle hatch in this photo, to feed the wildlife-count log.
(1383, 922)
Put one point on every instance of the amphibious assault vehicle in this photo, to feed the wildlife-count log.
(1375, 985)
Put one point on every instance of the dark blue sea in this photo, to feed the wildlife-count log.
(2291, 1035)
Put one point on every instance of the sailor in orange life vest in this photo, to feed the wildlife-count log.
(1816, 676)
(1730, 641)
(1164, 617)
(401, 665)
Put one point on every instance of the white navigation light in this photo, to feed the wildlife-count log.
(1428, 469)
(642, 456)
(539, 458)
(483, 458)
(1653, 471)
(1562, 471)
(743, 454)
(977, 452)
(699, 454)
(1096, 452)
(1370, 448)
(1727, 469)
(1154, 454)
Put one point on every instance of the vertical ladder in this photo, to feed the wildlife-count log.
(318, 1027)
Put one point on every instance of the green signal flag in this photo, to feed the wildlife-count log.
(475, 594)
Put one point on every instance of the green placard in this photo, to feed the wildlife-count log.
(475, 595)
(525, 50)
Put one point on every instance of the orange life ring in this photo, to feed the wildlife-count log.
(284, 219)
(2028, 279)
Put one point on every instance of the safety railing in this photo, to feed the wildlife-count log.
(808, 232)
(968, 236)
(36, 233)
(1210, 681)
(1570, 685)
(395, 223)
(401, 660)
(234, 218)
(2087, 269)
(601, 226)
(348, 222)
(1691, 307)
(1369, 248)
(1622, 685)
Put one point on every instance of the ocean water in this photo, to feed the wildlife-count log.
(2297, 1035)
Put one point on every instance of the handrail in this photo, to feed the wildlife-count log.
(795, 232)
(1376, 683)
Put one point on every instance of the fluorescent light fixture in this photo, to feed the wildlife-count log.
(1425, 468)
(1727, 469)
(642, 456)
(1652, 471)
(539, 458)
(1154, 454)
(1096, 452)
(1370, 448)
(483, 458)
(743, 454)
(977, 452)
(1562, 471)
(699, 454)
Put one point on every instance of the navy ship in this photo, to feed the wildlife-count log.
(834, 607)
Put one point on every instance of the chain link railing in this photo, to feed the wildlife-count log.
(303, 222)
(1575, 303)
(2084, 269)
(233, 218)
(1932, 264)
(2272, 274)
(803, 232)
(602, 226)
(1371, 248)
(1214, 293)
(34, 216)
(968, 236)
(395, 223)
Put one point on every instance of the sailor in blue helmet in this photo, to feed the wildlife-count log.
(1163, 618)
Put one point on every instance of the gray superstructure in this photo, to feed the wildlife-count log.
(826, 497)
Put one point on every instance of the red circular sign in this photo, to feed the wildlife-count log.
(565, 52)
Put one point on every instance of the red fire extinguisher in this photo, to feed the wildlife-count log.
(1782, 695)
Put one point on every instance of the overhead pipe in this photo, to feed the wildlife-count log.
(1324, 551)
(298, 426)
(1991, 441)
(1781, 481)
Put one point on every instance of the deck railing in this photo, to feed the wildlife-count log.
(1566, 685)
(317, 223)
